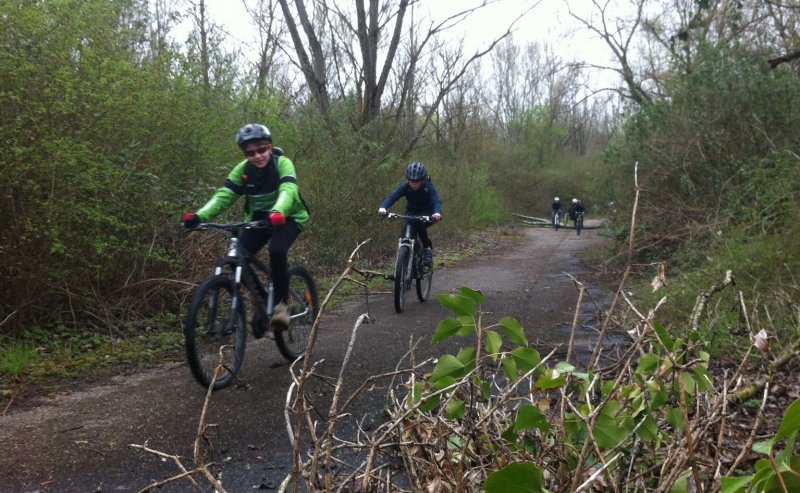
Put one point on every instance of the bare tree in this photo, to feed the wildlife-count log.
(380, 30)
(618, 34)
(270, 31)
(314, 67)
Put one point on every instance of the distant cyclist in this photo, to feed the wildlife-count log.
(575, 207)
(422, 199)
(555, 209)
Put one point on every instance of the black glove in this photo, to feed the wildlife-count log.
(191, 220)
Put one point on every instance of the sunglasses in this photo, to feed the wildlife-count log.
(257, 150)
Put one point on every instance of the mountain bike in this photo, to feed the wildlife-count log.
(556, 220)
(578, 222)
(217, 313)
(409, 265)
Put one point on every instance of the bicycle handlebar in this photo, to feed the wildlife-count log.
(425, 219)
(262, 224)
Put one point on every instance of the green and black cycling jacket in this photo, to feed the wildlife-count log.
(272, 188)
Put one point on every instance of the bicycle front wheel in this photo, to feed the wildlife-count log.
(400, 274)
(215, 332)
(303, 309)
(578, 225)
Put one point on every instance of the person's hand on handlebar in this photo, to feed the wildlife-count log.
(276, 218)
(190, 220)
(382, 212)
(436, 217)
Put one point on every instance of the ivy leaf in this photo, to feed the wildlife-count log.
(517, 477)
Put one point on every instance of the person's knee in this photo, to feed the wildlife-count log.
(279, 254)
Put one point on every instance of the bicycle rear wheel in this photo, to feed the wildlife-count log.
(303, 308)
(579, 224)
(556, 221)
(212, 323)
(400, 274)
(424, 282)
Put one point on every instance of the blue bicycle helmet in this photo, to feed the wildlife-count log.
(416, 171)
(252, 132)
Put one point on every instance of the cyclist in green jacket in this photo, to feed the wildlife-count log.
(267, 180)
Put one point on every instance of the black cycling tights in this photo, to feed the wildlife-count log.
(280, 239)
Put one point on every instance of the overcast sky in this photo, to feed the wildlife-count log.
(547, 22)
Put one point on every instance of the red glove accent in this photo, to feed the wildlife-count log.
(190, 220)
(276, 218)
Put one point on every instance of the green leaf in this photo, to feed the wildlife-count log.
(610, 428)
(452, 326)
(493, 342)
(473, 295)
(515, 478)
(510, 367)
(688, 382)
(658, 395)
(649, 430)
(443, 382)
(551, 379)
(530, 416)
(791, 421)
(514, 331)
(675, 418)
(681, 484)
(526, 358)
(764, 447)
(458, 304)
(703, 379)
(564, 367)
(647, 363)
(448, 365)
(455, 409)
(663, 334)
(429, 404)
(735, 485)
(467, 357)
(419, 389)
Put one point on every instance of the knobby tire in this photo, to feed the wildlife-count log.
(303, 298)
(400, 274)
(212, 323)
(424, 281)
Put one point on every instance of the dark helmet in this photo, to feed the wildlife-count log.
(416, 171)
(252, 132)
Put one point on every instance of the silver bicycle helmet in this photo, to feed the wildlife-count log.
(416, 171)
(252, 132)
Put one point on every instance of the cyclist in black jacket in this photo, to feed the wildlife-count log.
(575, 207)
(422, 199)
(555, 207)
